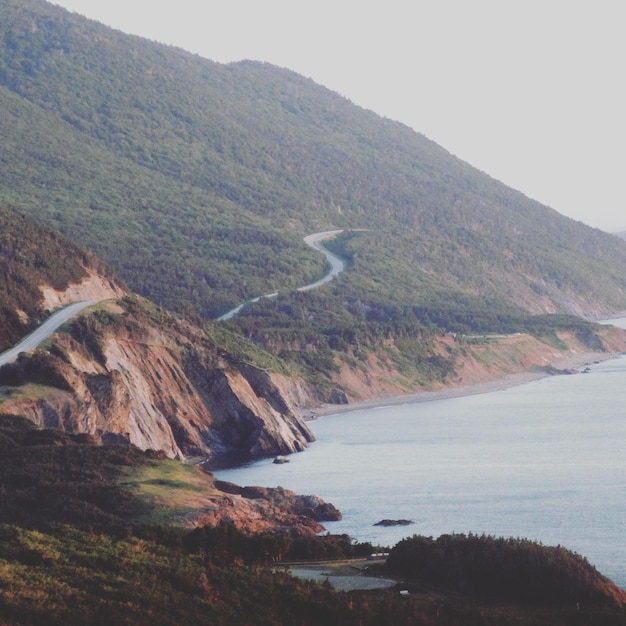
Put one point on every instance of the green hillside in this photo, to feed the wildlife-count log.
(196, 181)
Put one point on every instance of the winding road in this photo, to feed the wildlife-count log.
(60, 317)
(336, 266)
(44, 331)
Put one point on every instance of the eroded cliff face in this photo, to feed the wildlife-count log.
(126, 377)
(126, 372)
(92, 287)
(475, 360)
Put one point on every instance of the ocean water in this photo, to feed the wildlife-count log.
(543, 461)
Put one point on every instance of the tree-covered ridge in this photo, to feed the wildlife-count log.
(197, 181)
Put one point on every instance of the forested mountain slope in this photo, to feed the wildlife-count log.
(197, 181)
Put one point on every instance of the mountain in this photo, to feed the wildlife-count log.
(126, 372)
(196, 182)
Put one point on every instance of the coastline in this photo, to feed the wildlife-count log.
(568, 365)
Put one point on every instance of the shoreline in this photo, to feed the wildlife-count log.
(568, 365)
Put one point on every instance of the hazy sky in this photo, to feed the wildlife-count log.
(529, 91)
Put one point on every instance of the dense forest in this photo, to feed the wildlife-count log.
(196, 181)
(515, 570)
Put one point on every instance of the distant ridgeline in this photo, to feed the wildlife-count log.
(196, 181)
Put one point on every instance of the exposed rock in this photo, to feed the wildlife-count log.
(337, 396)
(475, 360)
(394, 522)
(309, 507)
(327, 512)
(125, 376)
(249, 412)
(555, 371)
(122, 379)
(92, 287)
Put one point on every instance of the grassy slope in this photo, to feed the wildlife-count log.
(169, 489)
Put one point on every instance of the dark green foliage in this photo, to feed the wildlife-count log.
(197, 181)
(29, 252)
(88, 331)
(326, 548)
(225, 544)
(39, 368)
(512, 570)
(68, 576)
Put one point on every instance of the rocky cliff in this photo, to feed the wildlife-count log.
(126, 372)
(473, 360)
(259, 509)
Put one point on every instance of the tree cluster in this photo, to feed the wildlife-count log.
(513, 570)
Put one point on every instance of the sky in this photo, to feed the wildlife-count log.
(528, 91)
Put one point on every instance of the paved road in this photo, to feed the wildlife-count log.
(314, 240)
(60, 317)
(336, 264)
(44, 331)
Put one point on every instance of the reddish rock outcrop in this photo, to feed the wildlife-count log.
(262, 509)
(124, 377)
(92, 287)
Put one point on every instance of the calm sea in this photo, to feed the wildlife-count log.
(543, 461)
